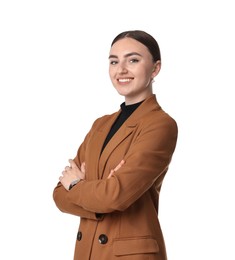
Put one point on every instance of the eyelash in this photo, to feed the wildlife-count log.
(131, 61)
(113, 62)
(134, 60)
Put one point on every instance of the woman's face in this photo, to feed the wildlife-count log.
(131, 69)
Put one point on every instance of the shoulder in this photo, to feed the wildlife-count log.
(159, 124)
(150, 113)
(100, 121)
(158, 116)
(164, 118)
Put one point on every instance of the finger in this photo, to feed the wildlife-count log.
(122, 162)
(72, 163)
(67, 168)
(119, 165)
(111, 174)
(83, 167)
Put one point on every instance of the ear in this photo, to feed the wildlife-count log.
(156, 68)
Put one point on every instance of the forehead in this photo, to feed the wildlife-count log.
(129, 45)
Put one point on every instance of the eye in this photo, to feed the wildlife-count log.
(134, 60)
(113, 62)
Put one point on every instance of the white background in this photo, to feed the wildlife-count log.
(53, 84)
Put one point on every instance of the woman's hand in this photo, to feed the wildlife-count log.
(72, 173)
(116, 168)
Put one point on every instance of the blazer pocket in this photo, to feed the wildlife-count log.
(132, 246)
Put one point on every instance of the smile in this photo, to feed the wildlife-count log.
(124, 80)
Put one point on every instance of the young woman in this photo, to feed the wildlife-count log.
(114, 181)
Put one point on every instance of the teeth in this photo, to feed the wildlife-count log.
(124, 80)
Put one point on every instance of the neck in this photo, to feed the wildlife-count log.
(139, 98)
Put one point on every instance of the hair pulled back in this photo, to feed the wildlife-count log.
(144, 38)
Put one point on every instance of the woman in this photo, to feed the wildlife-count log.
(114, 181)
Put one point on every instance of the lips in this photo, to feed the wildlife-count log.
(125, 80)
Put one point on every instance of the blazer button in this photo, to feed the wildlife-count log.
(103, 239)
(79, 235)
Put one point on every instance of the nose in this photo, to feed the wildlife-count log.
(122, 68)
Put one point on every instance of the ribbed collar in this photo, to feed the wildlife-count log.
(129, 109)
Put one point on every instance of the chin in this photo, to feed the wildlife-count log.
(121, 93)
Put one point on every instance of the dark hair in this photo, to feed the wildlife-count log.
(144, 38)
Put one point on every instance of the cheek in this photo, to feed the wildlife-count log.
(149, 73)
(145, 75)
(111, 73)
(112, 76)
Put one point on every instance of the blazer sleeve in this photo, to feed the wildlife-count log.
(146, 161)
(60, 194)
(66, 206)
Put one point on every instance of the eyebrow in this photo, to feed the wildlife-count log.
(125, 56)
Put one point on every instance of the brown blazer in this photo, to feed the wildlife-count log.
(119, 215)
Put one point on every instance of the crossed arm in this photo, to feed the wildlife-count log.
(73, 173)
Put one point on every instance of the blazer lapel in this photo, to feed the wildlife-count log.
(124, 131)
(97, 144)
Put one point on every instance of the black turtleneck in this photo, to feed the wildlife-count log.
(126, 111)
